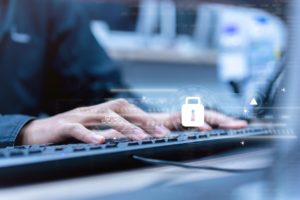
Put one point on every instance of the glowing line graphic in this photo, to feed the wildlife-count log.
(144, 90)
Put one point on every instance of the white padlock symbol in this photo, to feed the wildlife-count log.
(192, 112)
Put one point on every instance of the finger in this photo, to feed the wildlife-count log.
(234, 124)
(121, 125)
(81, 133)
(93, 117)
(214, 118)
(205, 127)
(173, 121)
(110, 134)
(222, 121)
(140, 118)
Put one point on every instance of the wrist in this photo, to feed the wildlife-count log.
(25, 136)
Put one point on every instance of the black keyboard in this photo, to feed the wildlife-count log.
(29, 163)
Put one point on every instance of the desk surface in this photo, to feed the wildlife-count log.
(160, 180)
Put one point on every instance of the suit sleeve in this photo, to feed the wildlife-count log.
(10, 126)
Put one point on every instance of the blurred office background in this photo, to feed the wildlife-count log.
(214, 47)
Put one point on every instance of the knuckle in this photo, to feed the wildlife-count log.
(121, 102)
(75, 131)
(82, 109)
(61, 125)
(103, 110)
(79, 109)
(75, 128)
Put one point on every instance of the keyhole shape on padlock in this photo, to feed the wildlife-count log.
(193, 115)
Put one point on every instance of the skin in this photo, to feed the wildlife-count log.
(123, 118)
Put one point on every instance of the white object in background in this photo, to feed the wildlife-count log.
(168, 19)
(254, 33)
(148, 17)
(267, 27)
(250, 42)
(232, 65)
(205, 26)
(232, 47)
(267, 42)
(101, 32)
(192, 113)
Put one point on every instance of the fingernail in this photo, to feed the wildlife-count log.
(162, 130)
(97, 139)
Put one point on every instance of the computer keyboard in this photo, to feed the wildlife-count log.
(39, 162)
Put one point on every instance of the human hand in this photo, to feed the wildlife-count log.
(124, 119)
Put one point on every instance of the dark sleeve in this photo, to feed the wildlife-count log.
(82, 71)
(10, 126)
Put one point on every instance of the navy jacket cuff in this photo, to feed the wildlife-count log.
(10, 127)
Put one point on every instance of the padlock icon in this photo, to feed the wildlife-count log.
(192, 112)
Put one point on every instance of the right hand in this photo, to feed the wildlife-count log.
(124, 119)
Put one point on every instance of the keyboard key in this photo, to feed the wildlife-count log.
(133, 143)
(60, 148)
(35, 151)
(174, 139)
(182, 138)
(96, 147)
(111, 146)
(110, 141)
(116, 140)
(122, 140)
(20, 147)
(192, 137)
(43, 145)
(147, 142)
(160, 141)
(239, 132)
(16, 153)
(202, 136)
(77, 149)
